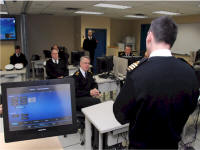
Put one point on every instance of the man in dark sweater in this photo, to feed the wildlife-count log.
(90, 44)
(159, 94)
(55, 67)
(18, 57)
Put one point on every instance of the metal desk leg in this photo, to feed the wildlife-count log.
(88, 135)
(100, 141)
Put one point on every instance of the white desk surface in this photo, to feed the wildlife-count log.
(51, 143)
(102, 80)
(102, 117)
(22, 71)
(72, 67)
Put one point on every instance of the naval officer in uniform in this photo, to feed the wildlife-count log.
(159, 93)
(85, 85)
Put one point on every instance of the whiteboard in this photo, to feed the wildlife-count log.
(188, 38)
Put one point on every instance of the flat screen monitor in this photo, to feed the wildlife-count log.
(38, 109)
(120, 66)
(132, 59)
(75, 57)
(104, 64)
(8, 28)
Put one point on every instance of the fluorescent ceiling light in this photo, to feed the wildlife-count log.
(111, 6)
(135, 16)
(1, 2)
(3, 12)
(166, 13)
(88, 12)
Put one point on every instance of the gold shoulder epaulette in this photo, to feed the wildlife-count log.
(77, 73)
(133, 66)
(136, 64)
(90, 71)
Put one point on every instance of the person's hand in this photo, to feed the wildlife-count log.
(94, 92)
(60, 77)
(1, 109)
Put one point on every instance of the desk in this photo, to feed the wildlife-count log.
(51, 143)
(107, 85)
(13, 75)
(102, 117)
(72, 69)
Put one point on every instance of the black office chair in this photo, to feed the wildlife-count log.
(47, 53)
(80, 122)
(81, 126)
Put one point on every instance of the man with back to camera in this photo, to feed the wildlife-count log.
(127, 52)
(90, 44)
(18, 57)
(55, 67)
(85, 85)
(159, 94)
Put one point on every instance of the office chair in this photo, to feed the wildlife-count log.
(35, 57)
(81, 125)
(80, 122)
(47, 53)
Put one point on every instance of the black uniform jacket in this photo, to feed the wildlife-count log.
(157, 99)
(54, 70)
(84, 85)
(21, 59)
(121, 54)
(90, 45)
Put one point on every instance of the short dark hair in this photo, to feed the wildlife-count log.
(17, 47)
(164, 29)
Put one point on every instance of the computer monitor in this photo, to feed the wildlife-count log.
(132, 59)
(38, 109)
(104, 64)
(75, 57)
(120, 66)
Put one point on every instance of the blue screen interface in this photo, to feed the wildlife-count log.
(39, 106)
(7, 29)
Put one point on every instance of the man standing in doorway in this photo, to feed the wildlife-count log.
(90, 45)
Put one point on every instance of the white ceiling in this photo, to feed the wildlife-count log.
(15, 7)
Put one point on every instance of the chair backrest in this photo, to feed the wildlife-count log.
(47, 53)
(35, 57)
(197, 55)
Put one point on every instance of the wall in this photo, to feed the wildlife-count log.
(77, 34)
(44, 31)
(7, 48)
(119, 29)
(187, 38)
(136, 25)
(93, 22)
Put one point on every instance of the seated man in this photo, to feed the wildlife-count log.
(86, 87)
(18, 57)
(127, 52)
(61, 53)
(55, 67)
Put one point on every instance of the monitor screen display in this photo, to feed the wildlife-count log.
(26, 106)
(75, 57)
(104, 64)
(38, 109)
(8, 28)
